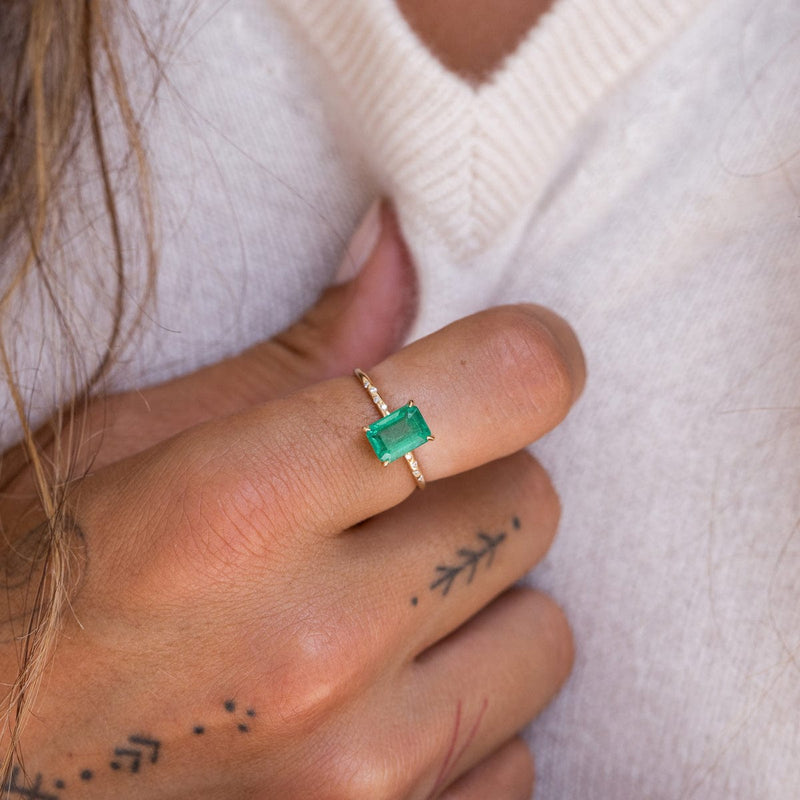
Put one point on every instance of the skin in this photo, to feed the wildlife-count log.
(471, 37)
(257, 616)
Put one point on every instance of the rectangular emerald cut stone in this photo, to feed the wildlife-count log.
(394, 436)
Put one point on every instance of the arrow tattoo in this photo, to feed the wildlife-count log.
(33, 792)
(135, 756)
(470, 558)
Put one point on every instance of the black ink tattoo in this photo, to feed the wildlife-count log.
(470, 558)
(242, 727)
(130, 758)
(32, 792)
(414, 601)
(135, 755)
(516, 523)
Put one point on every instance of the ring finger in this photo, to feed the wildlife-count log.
(520, 652)
(457, 704)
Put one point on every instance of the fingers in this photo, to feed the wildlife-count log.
(430, 564)
(360, 321)
(488, 385)
(507, 774)
(519, 651)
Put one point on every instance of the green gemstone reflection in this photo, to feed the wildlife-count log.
(393, 436)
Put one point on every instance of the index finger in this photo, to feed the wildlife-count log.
(487, 386)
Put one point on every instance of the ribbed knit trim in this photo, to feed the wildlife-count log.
(464, 160)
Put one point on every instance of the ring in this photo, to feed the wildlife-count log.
(398, 432)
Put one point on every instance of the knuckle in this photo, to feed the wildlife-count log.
(241, 499)
(226, 517)
(368, 776)
(532, 365)
(321, 669)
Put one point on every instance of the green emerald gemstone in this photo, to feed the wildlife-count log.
(399, 433)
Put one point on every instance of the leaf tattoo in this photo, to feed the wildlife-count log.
(470, 558)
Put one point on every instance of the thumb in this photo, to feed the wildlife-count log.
(356, 322)
(361, 319)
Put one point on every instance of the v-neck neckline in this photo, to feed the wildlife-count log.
(463, 161)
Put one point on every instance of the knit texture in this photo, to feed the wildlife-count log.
(465, 162)
(663, 227)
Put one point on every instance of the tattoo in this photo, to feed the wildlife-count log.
(450, 750)
(130, 759)
(135, 755)
(242, 727)
(469, 560)
(32, 791)
(452, 757)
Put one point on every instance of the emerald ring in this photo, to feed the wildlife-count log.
(398, 432)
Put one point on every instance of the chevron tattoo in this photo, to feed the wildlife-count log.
(139, 753)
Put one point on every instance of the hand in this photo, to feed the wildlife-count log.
(261, 615)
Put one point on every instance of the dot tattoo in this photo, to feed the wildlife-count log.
(139, 752)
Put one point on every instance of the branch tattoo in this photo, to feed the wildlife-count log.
(467, 560)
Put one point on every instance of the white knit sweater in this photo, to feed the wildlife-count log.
(635, 165)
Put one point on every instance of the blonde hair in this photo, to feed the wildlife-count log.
(52, 55)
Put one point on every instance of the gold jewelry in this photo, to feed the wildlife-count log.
(398, 432)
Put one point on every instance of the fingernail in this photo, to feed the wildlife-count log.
(361, 245)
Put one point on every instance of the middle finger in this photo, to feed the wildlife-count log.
(426, 566)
